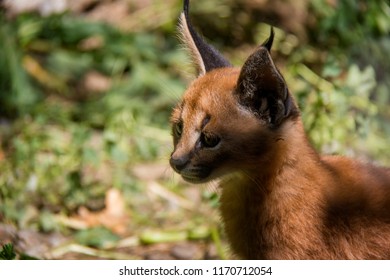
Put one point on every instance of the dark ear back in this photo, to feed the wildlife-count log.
(262, 89)
(205, 57)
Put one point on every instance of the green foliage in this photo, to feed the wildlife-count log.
(16, 91)
(345, 115)
(60, 135)
(347, 22)
(339, 115)
(7, 252)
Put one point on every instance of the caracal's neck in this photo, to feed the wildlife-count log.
(257, 202)
(291, 151)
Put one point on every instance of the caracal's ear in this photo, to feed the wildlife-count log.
(262, 89)
(204, 56)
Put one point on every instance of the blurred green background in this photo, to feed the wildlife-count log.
(86, 90)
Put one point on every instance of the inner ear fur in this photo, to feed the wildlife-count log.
(204, 56)
(262, 89)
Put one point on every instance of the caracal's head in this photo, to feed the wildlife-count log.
(229, 118)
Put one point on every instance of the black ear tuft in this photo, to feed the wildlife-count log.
(204, 55)
(262, 89)
(268, 43)
(186, 7)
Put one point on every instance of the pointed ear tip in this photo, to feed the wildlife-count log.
(272, 32)
(268, 43)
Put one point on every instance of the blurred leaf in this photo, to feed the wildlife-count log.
(98, 237)
(154, 236)
(112, 217)
(17, 93)
(199, 232)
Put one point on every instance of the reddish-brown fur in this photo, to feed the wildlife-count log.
(280, 199)
(288, 203)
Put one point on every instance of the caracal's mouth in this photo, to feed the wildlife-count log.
(196, 175)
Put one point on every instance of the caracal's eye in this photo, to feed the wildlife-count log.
(178, 129)
(209, 140)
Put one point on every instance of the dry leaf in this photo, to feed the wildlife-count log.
(33, 67)
(96, 82)
(113, 216)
